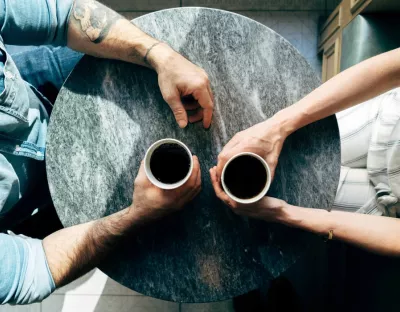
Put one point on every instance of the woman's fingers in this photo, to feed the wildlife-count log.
(217, 187)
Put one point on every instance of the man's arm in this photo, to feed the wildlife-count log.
(97, 30)
(72, 252)
(90, 27)
(31, 269)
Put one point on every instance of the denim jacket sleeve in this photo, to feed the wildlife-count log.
(35, 22)
(24, 273)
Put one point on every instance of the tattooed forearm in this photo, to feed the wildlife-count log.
(94, 18)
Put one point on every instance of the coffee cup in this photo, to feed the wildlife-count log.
(246, 178)
(168, 164)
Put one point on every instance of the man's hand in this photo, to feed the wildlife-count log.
(264, 139)
(268, 208)
(99, 31)
(178, 78)
(151, 202)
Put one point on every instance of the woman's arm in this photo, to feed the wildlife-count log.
(351, 87)
(377, 234)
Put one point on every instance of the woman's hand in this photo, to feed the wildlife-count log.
(268, 208)
(264, 139)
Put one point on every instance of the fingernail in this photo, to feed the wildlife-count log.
(182, 123)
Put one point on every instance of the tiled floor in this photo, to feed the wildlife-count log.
(95, 292)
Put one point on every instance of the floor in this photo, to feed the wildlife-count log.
(95, 292)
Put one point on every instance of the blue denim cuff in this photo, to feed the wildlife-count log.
(25, 276)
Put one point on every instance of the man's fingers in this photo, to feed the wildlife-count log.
(196, 117)
(191, 106)
(190, 103)
(207, 117)
(210, 92)
(196, 190)
(141, 172)
(174, 101)
(205, 101)
(196, 171)
(198, 182)
(141, 177)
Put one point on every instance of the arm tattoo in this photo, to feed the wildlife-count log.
(94, 18)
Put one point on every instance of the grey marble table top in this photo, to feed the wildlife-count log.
(108, 113)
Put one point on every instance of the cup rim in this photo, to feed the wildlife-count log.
(261, 194)
(150, 175)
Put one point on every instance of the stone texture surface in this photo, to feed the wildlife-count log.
(300, 28)
(108, 113)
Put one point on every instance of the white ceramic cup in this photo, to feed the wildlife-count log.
(261, 194)
(150, 175)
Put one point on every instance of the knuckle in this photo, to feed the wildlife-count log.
(238, 135)
(203, 82)
(169, 97)
(137, 181)
(222, 156)
(179, 111)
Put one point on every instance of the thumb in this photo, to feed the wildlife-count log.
(175, 103)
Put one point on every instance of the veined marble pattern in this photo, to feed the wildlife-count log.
(109, 112)
(299, 28)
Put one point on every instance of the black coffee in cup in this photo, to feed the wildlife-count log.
(170, 163)
(245, 177)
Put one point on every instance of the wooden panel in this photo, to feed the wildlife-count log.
(340, 17)
(351, 8)
(356, 4)
(331, 60)
(331, 26)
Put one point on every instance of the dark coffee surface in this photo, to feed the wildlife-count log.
(170, 163)
(245, 177)
(107, 115)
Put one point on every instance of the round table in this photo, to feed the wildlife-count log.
(109, 112)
